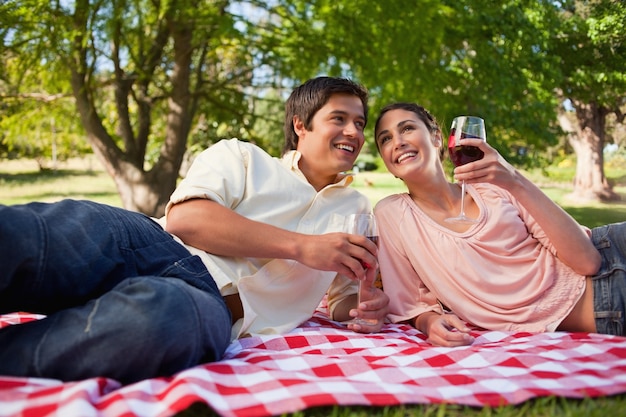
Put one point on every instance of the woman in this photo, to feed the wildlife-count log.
(525, 265)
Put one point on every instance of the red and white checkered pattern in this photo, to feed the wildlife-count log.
(321, 363)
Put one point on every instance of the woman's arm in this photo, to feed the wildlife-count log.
(572, 244)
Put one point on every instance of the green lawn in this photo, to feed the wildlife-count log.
(20, 181)
(377, 185)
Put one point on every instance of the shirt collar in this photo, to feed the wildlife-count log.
(291, 159)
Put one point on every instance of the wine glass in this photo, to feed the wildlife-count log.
(362, 224)
(465, 127)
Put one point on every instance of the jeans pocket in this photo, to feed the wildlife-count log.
(193, 271)
(609, 322)
(600, 236)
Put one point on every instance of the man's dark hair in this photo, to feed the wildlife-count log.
(311, 96)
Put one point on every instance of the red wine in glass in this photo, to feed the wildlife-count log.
(461, 155)
(465, 127)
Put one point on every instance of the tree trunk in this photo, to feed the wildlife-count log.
(585, 133)
(145, 191)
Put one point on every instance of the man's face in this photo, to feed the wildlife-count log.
(334, 141)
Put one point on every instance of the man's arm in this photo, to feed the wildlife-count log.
(216, 229)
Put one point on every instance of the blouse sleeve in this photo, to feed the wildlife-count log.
(408, 296)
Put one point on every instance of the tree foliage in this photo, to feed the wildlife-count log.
(591, 45)
(139, 73)
(156, 81)
(513, 62)
(38, 118)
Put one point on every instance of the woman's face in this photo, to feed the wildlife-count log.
(406, 144)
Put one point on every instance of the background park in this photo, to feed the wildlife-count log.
(110, 101)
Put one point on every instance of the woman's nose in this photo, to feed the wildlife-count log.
(398, 142)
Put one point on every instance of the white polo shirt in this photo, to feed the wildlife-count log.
(277, 294)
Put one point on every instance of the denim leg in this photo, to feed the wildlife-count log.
(122, 298)
(144, 327)
(609, 284)
(54, 256)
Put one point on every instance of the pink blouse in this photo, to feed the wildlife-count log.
(501, 274)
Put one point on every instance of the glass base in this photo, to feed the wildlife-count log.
(462, 219)
(361, 322)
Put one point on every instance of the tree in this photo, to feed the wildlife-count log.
(155, 81)
(592, 48)
(43, 129)
(374, 43)
(514, 62)
(38, 120)
(139, 72)
(486, 62)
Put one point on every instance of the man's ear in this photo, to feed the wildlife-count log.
(298, 126)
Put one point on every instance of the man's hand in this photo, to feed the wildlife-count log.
(352, 256)
(230, 234)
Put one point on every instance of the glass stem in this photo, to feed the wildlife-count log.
(463, 198)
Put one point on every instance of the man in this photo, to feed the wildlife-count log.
(253, 241)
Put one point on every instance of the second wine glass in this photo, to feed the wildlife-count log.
(362, 224)
(465, 127)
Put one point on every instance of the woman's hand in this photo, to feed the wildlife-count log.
(570, 240)
(373, 308)
(444, 329)
(492, 168)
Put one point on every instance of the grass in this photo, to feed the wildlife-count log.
(540, 407)
(21, 181)
(377, 185)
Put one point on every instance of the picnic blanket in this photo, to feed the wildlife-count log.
(321, 363)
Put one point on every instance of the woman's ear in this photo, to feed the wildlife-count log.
(437, 140)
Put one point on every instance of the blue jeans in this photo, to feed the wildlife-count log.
(609, 284)
(123, 299)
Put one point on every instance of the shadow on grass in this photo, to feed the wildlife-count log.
(596, 216)
(82, 195)
(44, 176)
(618, 180)
(52, 185)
